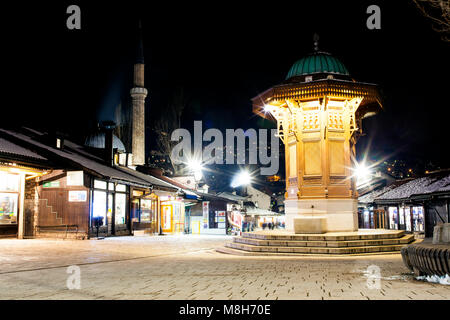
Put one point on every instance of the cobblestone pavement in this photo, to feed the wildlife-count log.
(188, 267)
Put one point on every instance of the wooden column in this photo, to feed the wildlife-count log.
(21, 226)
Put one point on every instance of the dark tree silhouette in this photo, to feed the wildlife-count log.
(438, 11)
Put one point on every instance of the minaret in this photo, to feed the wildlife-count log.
(138, 94)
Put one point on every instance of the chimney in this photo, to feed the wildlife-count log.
(108, 128)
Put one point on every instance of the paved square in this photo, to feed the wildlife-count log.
(188, 267)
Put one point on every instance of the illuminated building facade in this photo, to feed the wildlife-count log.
(318, 110)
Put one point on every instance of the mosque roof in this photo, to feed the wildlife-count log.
(97, 140)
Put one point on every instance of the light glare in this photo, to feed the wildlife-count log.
(196, 167)
(241, 179)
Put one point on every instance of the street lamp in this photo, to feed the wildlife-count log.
(362, 173)
(241, 179)
(195, 166)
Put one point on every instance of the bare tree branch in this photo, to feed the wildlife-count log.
(169, 121)
(438, 11)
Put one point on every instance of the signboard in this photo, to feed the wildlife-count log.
(205, 207)
(236, 219)
(220, 219)
(77, 196)
(74, 178)
(51, 184)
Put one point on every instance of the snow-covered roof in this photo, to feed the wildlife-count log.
(251, 210)
(371, 196)
(435, 182)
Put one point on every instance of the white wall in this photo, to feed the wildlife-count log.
(261, 198)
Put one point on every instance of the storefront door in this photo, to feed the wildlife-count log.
(408, 219)
(167, 218)
(110, 203)
(418, 219)
(393, 218)
(402, 220)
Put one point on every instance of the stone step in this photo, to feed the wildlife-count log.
(238, 252)
(392, 234)
(314, 250)
(328, 243)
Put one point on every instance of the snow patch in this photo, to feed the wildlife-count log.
(445, 280)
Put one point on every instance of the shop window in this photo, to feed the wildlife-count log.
(177, 216)
(9, 182)
(146, 210)
(98, 184)
(166, 216)
(366, 219)
(8, 208)
(418, 219)
(408, 218)
(393, 217)
(110, 186)
(121, 188)
(135, 210)
(401, 214)
(120, 210)
(99, 207)
(110, 208)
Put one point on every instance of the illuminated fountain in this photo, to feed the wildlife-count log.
(318, 110)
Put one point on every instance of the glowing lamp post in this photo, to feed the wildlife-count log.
(243, 178)
(362, 173)
(195, 166)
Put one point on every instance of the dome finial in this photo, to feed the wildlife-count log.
(316, 42)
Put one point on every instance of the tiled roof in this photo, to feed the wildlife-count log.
(149, 178)
(83, 161)
(9, 148)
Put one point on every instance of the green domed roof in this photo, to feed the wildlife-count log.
(317, 62)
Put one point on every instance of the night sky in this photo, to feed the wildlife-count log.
(224, 53)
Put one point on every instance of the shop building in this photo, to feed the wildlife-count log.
(76, 188)
(246, 215)
(414, 205)
(18, 169)
(258, 218)
(209, 214)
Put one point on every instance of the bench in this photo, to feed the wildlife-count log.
(56, 228)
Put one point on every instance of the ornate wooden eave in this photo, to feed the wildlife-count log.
(344, 89)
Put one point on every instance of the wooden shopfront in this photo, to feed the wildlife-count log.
(145, 211)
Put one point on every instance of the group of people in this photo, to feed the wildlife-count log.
(249, 226)
(270, 225)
